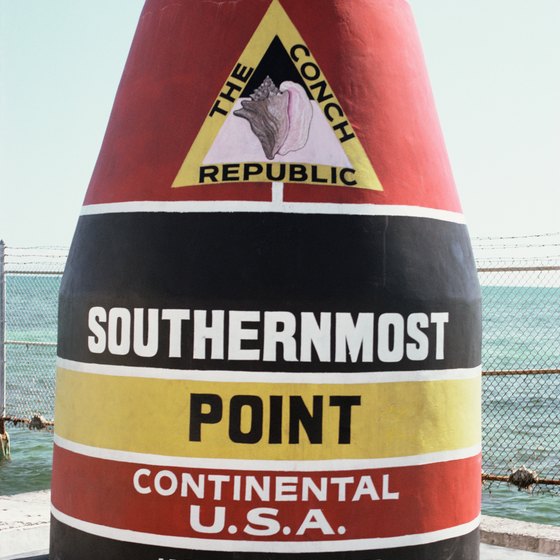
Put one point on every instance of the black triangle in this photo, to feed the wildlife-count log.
(277, 64)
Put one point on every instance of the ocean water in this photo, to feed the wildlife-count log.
(521, 330)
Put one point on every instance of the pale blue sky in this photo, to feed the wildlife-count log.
(494, 66)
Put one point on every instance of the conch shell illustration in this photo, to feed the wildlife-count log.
(279, 117)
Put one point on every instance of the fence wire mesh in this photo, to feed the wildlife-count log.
(521, 360)
(521, 351)
(32, 278)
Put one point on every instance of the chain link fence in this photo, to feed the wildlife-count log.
(30, 281)
(521, 360)
(521, 351)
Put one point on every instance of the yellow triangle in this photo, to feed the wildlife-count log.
(276, 23)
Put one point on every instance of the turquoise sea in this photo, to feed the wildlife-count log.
(521, 414)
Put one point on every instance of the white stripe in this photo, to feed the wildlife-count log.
(250, 465)
(286, 208)
(320, 378)
(278, 195)
(264, 546)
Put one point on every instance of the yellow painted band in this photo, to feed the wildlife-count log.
(147, 415)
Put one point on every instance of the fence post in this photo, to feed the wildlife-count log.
(2, 336)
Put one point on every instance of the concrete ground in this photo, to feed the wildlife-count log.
(489, 552)
(24, 533)
(24, 524)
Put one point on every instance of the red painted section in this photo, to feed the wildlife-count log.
(102, 492)
(182, 54)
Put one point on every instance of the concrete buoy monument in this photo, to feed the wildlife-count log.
(269, 338)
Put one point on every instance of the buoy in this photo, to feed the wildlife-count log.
(269, 338)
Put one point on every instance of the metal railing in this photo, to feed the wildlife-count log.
(29, 283)
(520, 280)
(521, 351)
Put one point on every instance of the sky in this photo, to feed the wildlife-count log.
(493, 65)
